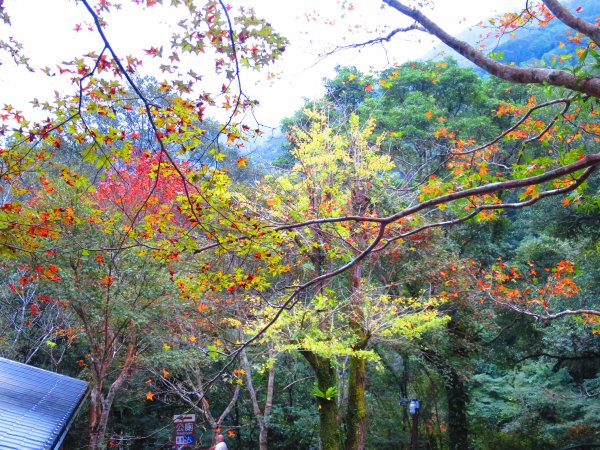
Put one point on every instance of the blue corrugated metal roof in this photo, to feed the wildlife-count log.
(35, 406)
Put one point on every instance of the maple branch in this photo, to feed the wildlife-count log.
(588, 161)
(583, 26)
(530, 111)
(478, 209)
(445, 223)
(521, 75)
(295, 382)
(116, 385)
(549, 316)
(551, 123)
(251, 391)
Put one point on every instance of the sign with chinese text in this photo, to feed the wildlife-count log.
(184, 430)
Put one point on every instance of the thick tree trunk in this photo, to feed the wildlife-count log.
(328, 409)
(356, 417)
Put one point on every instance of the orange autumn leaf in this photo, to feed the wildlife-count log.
(429, 114)
(165, 373)
(242, 161)
(368, 88)
(106, 280)
(149, 395)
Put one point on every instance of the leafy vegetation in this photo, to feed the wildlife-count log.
(425, 233)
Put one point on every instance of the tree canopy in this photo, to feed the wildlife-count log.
(427, 231)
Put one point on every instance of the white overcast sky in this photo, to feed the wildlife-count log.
(45, 27)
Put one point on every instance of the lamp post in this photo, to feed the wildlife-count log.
(413, 409)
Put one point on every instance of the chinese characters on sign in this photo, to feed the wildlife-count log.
(184, 430)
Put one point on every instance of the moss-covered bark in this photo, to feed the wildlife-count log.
(356, 416)
(328, 409)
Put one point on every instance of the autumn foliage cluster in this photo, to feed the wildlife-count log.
(417, 227)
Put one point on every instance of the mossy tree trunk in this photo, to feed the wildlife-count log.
(356, 416)
(328, 408)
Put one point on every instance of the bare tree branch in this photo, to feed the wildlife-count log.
(377, 40)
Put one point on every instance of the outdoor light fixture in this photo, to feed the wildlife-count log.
(413, 406)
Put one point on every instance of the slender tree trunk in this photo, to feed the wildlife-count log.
(456, 391)
(262, 417)
(100, 404)
(458, 430)
(328, 409)
(96, 429)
